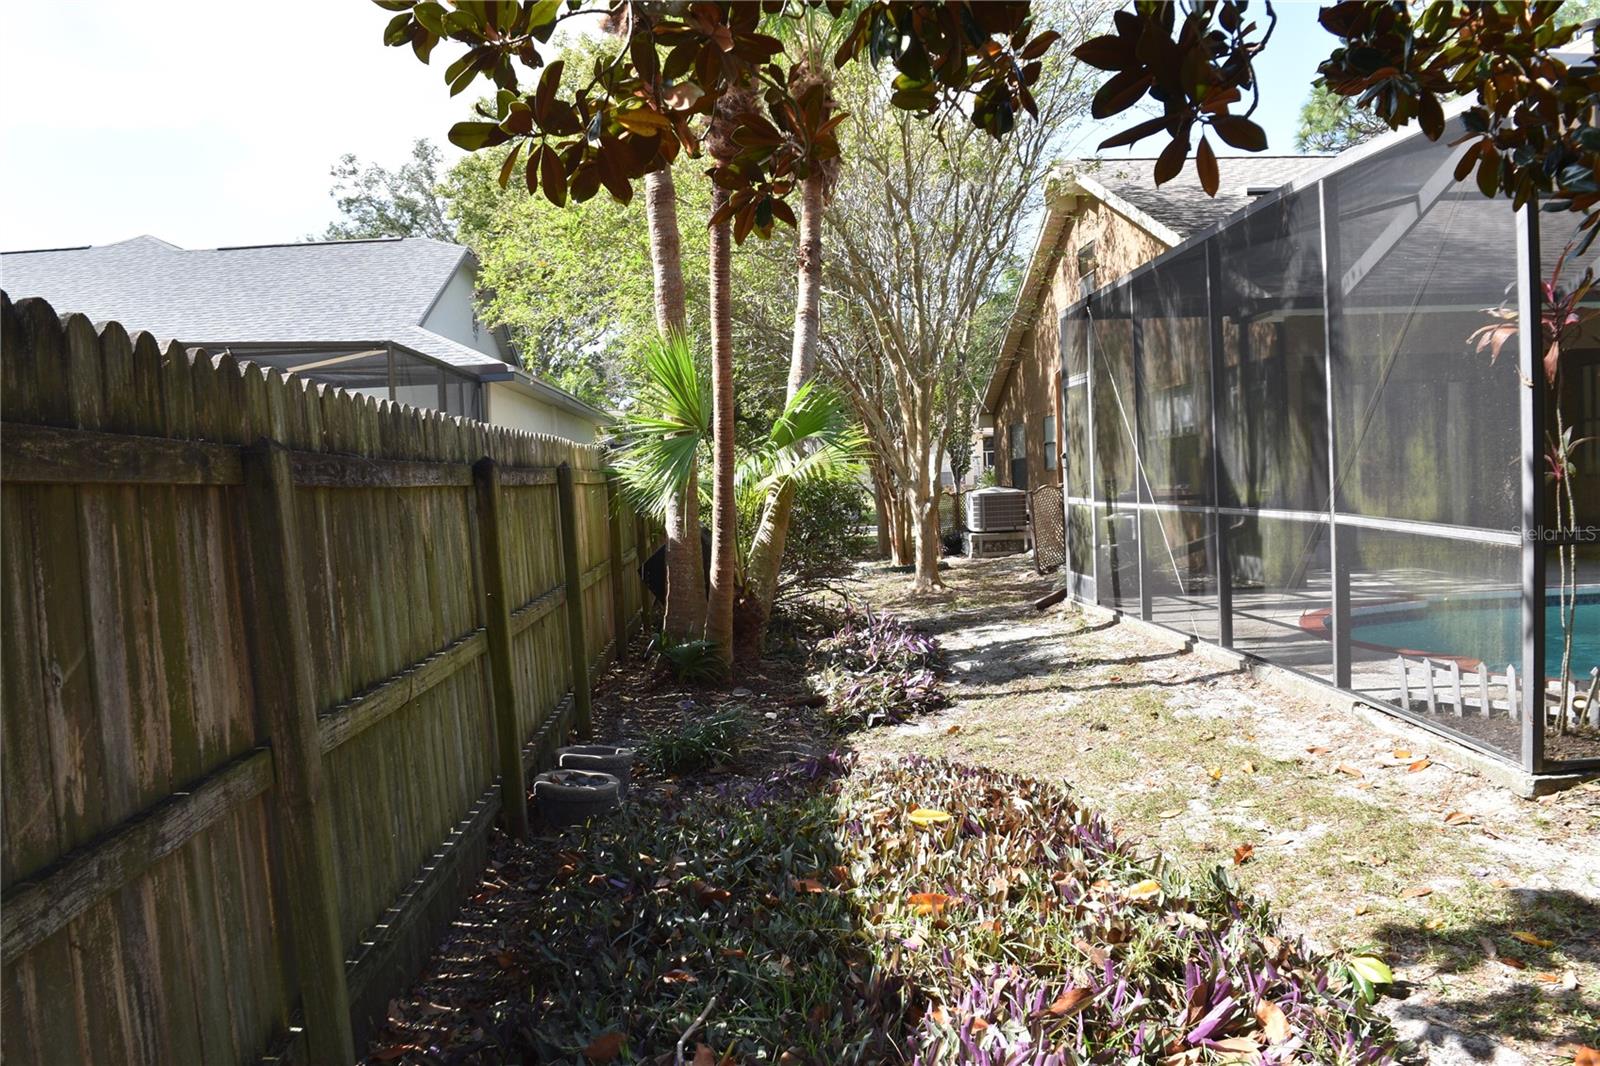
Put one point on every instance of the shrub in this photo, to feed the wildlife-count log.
(826, 535)
(692, 661)
(695, 745)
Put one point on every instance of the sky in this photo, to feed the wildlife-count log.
(215, 122)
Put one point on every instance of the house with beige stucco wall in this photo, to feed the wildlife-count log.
(1103, 218)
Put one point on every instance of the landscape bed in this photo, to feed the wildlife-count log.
(788, 905)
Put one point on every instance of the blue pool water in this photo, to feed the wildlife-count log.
(1482, 627)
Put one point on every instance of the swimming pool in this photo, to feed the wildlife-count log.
(1475, 626)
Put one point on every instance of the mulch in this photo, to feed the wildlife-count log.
(469, 1002)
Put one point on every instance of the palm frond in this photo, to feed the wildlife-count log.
(660, 439)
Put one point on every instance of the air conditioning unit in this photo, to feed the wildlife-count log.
(997, 510)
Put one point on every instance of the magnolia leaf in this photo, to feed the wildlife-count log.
(1372, 969)
(926, 816)
(928, 903)
(1243, 854)
(1147, 889)
(1532, 939)
(1274, 1023)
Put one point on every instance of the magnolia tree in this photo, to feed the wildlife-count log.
(681, 72)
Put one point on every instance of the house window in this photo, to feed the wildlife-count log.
(1086, 269)
(1019, 456)
(1049, 442)
(988, 451)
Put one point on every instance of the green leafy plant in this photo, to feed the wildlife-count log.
(697, 744)
(693, 661)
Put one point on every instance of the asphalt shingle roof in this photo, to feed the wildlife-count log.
(338, 291)
(1181, 204)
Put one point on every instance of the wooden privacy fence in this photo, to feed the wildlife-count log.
(275, 657)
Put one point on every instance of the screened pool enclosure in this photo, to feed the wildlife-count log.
(1293, 435)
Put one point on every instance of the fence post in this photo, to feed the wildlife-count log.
(285, 691)
(569, 560)
(497, 628)
(619, 602)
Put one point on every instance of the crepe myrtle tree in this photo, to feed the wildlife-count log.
(673, 65)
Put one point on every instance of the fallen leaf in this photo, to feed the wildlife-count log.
(1070, 1002)
(1362, 908)
(1420, 764)
(1581, 1054)
(1457, 818)
(732, 953)
(933, 903)
(1500, 882)
(926, 816)
(679, 977)
(979, 1024)
(952, 731)
(939, 1014)
(394, 1051)
(1145, 890)
(1215, 772)
(1513, 962)
(1548, 978)
(805, 885)
(992, 926)
(604, 1047)
(1317, 751)
(1416, 892)
(706, 894)
(1402, 753)
(1243, 854)
(1346, 768)
(1273, 1021)
(1236, 1045)
(1532, 939)
(504, 959)
(1247, 768)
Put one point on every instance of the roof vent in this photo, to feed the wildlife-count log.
(1259, 190)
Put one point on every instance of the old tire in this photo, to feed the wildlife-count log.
(572, 797)
(600, 759)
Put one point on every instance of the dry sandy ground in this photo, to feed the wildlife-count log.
(1487, 905)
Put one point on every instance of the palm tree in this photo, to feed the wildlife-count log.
(680, 514)
(724, 509)
(766, 549)
(661, 440)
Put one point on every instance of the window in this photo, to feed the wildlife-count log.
(1050, 442)
(988, 450)
(1019, 456)
(1086, 269)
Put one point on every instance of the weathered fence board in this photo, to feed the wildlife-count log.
(244, 640)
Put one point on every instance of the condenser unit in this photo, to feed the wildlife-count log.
(997, 510)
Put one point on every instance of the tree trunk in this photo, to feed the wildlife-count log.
(684, 617)
(666, 251)
(925, 528)
(899, 526)
(724, 514)
(766, 549)
(879, 491)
